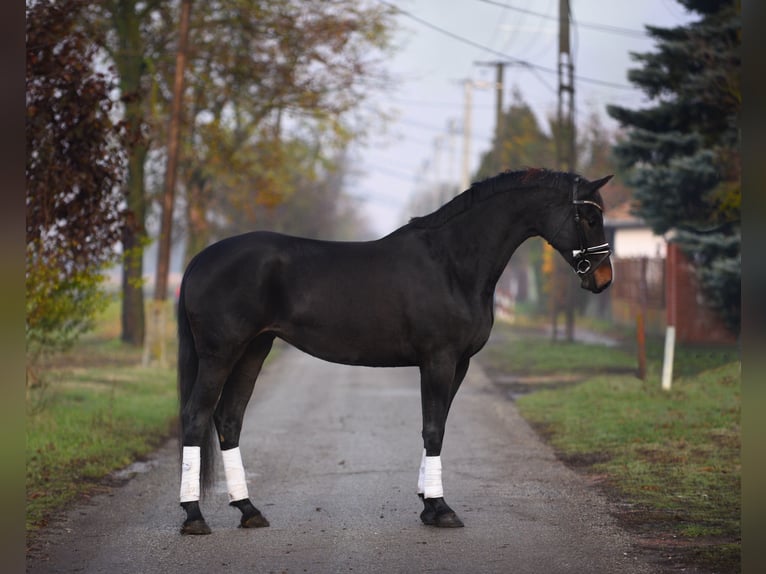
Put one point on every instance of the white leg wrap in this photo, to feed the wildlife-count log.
(432, 482)
(422, 474)
(236, 483)
(190, 468)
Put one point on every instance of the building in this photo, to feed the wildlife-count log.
(653, 278)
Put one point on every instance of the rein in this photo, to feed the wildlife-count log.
(582, 265)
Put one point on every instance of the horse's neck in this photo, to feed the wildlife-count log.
(482, 240)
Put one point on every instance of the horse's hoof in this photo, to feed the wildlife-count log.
(198, 526)
(444, 520)
(437, 513)
(256, 520)
(448, 520)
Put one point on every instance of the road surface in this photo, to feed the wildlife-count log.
(332, 456)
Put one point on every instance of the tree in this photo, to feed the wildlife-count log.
(74, 169)
(682, 152)
(319, 207)
(256, 69)
(135, 35)
(521, 142)
(272, 85)
(595, 150)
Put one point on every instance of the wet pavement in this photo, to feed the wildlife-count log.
(332, 455)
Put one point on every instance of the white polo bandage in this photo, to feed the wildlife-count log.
(432, 477)
(190, 468)
(236, 484)
(422, 474)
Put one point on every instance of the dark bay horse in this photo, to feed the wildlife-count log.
(420, 296)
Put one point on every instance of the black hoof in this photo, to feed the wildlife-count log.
(194, 523)
(437, 513)
(197, 526)
(251, 516)
(256, 520)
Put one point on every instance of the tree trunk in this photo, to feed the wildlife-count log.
(174, 130)
(197, 227)
(133, 240)
(129, 58)
(133, 327)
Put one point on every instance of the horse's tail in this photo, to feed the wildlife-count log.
(188, 365)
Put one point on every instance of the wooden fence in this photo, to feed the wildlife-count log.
(639, 285)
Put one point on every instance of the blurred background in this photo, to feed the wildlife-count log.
(155, 128)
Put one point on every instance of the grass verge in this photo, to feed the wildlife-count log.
(88, 423)
(96, 411)
(669, 460)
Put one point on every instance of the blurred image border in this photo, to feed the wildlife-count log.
(753, 337)
(12, 250)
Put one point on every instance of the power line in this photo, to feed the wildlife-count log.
(592, 25)
(511, 59)
(534, 37)
(391, 172)
(432, 128)
(436, 104)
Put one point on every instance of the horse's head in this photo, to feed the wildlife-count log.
(578, 233)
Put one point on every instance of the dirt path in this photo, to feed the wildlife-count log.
(332, 455)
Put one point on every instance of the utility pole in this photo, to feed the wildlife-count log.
(468, 86)
(157, 328)
(465, 175)
(565, 141)
(499, 72)
(453, 132)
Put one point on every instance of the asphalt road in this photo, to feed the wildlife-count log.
(332, 455)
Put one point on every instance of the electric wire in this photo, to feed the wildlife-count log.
(619, 30)
(520, 62)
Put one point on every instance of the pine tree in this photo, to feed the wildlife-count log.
(682, 151)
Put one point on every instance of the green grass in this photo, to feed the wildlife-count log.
(672, 456)
(88, 424)
(534, 355)
(525, 350)
(96, 411)
(675, 452)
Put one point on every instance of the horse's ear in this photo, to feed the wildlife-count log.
(599, 183)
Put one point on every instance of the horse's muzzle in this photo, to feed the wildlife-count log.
(599, 279)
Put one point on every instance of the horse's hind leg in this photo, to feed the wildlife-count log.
(196, 416)
(228, 421)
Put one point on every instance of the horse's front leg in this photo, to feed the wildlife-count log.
(439, 380)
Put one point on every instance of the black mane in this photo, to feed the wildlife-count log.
(489, 187)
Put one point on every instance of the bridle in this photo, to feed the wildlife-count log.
(582, 264)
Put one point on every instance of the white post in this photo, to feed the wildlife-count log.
(667, 363)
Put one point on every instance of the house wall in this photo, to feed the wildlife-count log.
(639, 288)
(638, 242)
